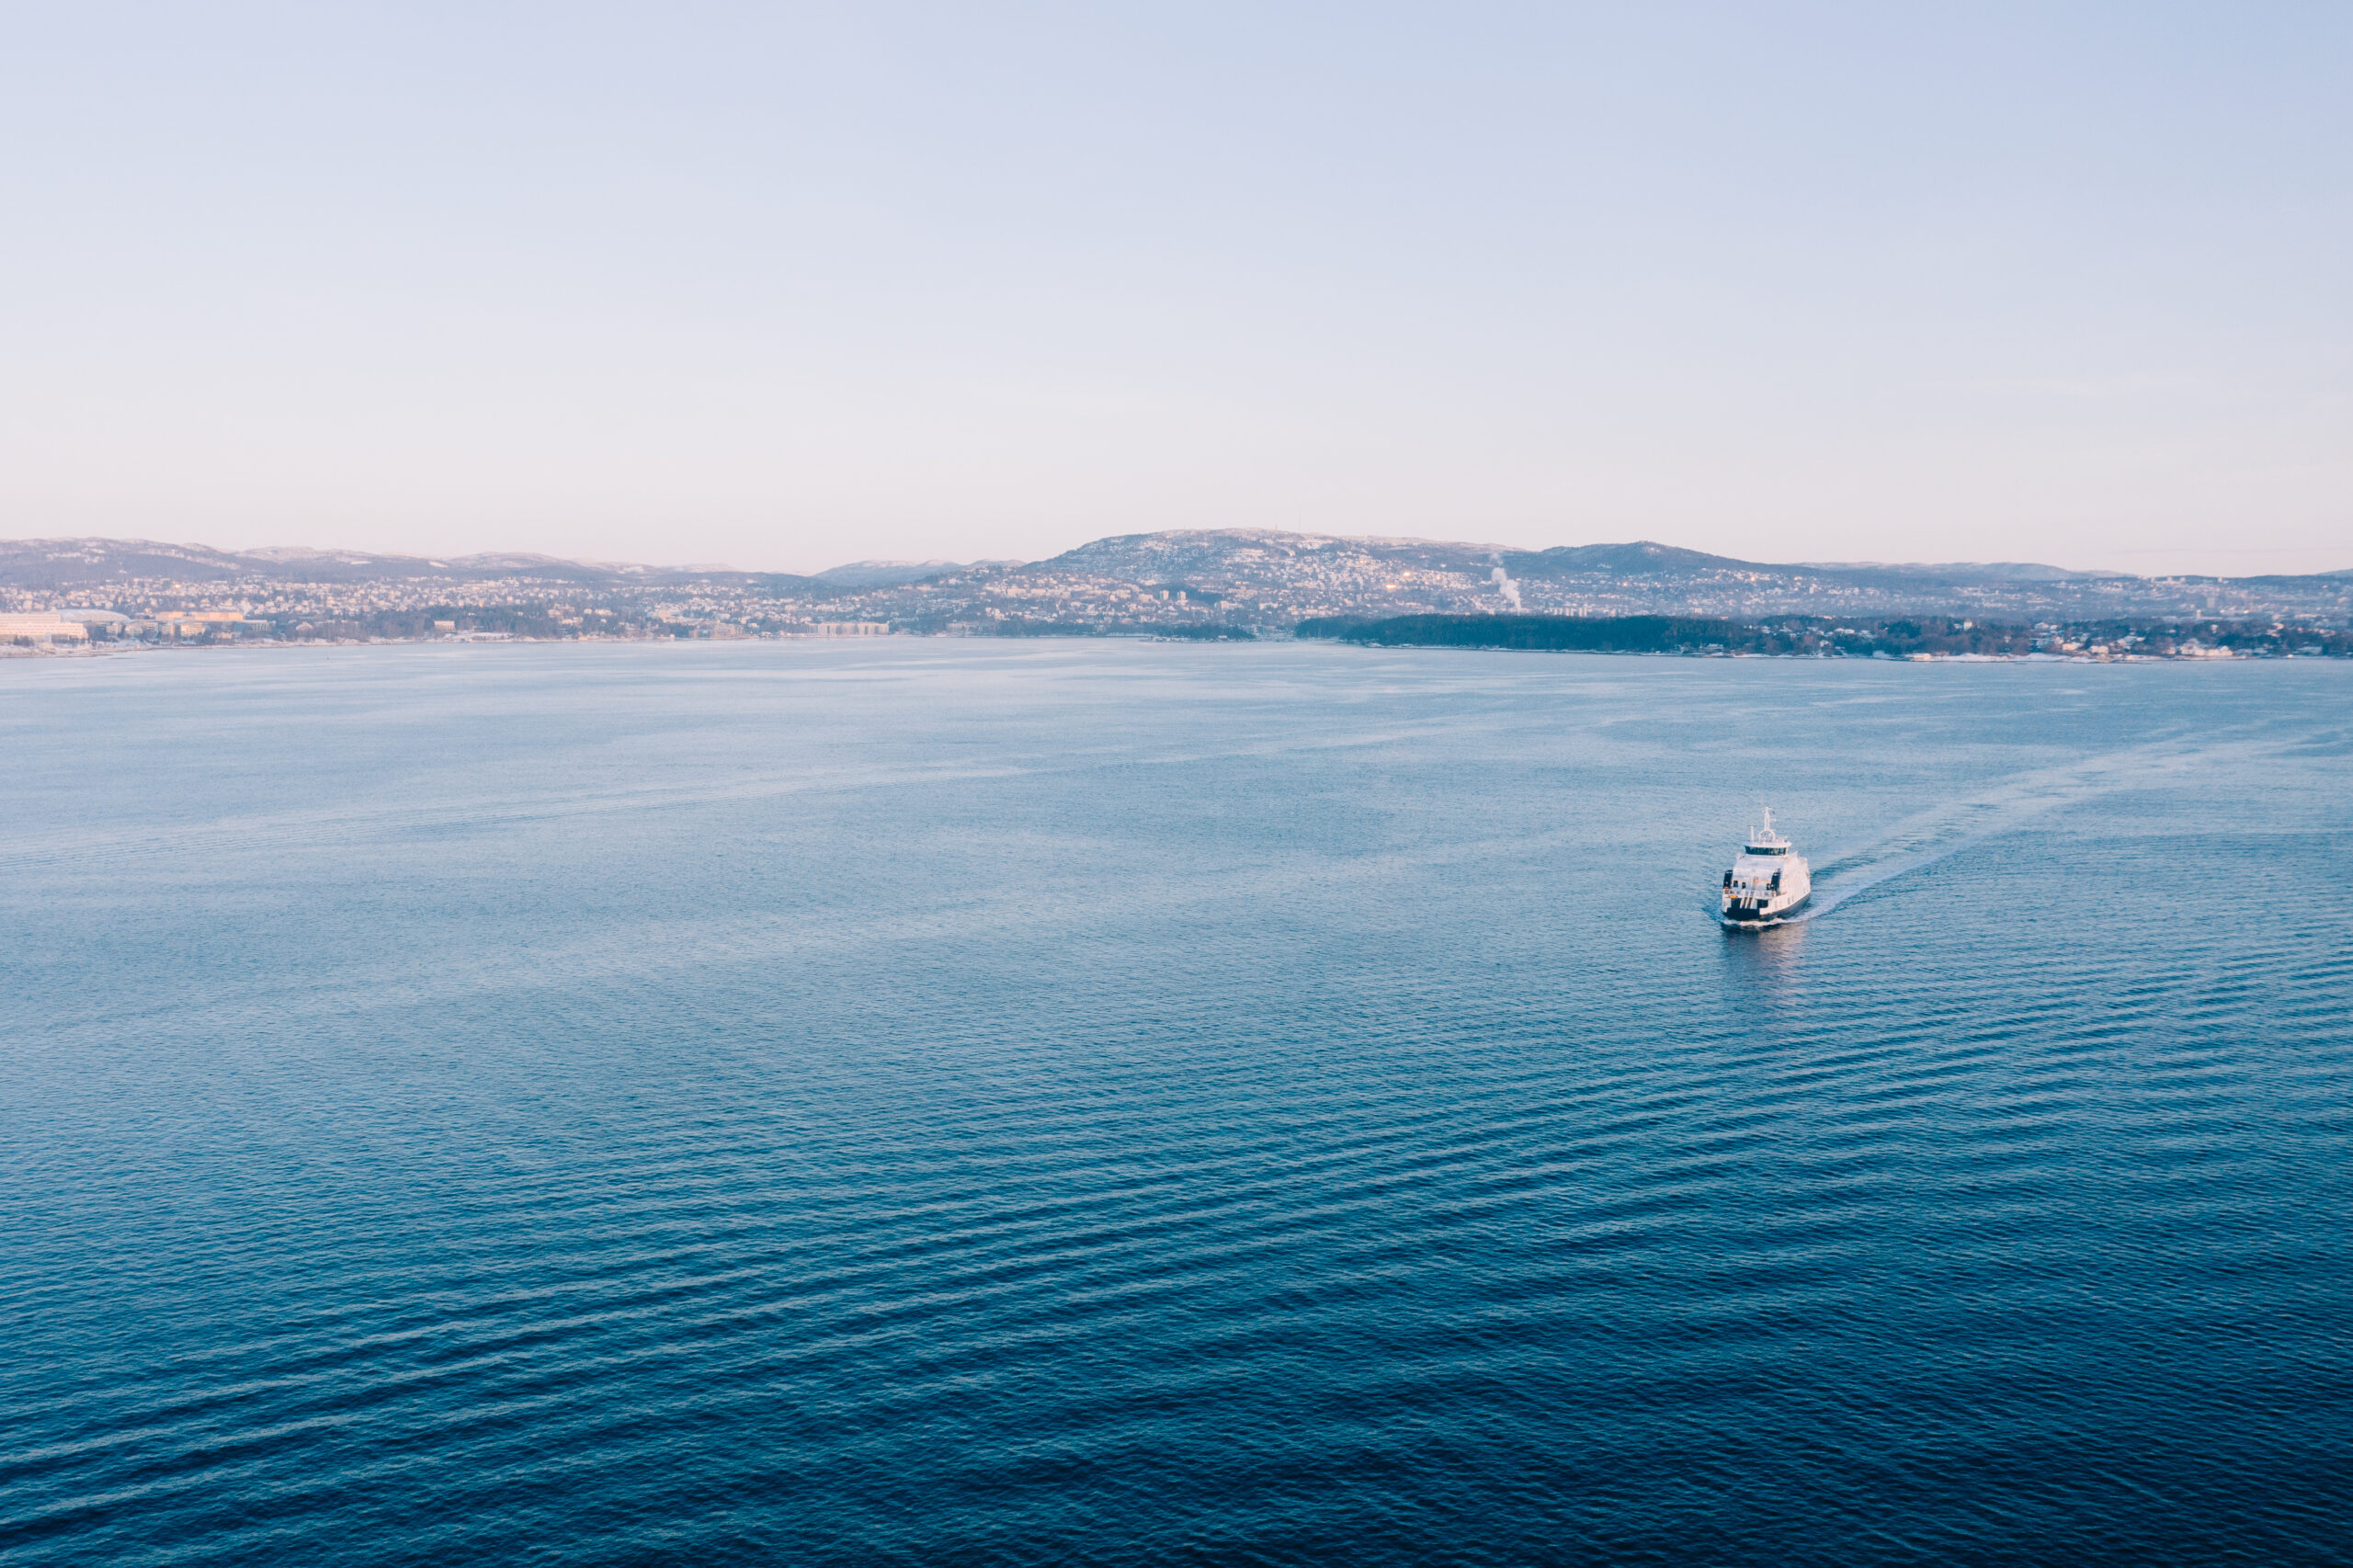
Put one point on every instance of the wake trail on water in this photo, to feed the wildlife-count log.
(1941, 831)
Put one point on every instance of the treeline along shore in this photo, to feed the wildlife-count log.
(1797, 636)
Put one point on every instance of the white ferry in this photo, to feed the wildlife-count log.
(1770, 882)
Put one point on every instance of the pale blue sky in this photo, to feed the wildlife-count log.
(788, 285)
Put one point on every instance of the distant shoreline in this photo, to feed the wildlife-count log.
(2188, 652)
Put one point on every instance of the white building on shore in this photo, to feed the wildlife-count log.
(41, 626)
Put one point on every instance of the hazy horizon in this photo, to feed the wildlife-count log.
(788, 291)
(986, 558)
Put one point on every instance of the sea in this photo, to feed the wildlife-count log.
(927, 1101)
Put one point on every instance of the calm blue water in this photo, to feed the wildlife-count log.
(1107, 1104)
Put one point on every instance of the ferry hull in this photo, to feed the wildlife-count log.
(1737, 919)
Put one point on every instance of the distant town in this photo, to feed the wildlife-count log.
(89, 595)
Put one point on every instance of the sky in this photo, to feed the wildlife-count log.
(786, 285)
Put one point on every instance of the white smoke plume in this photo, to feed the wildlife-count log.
(1504, 585)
